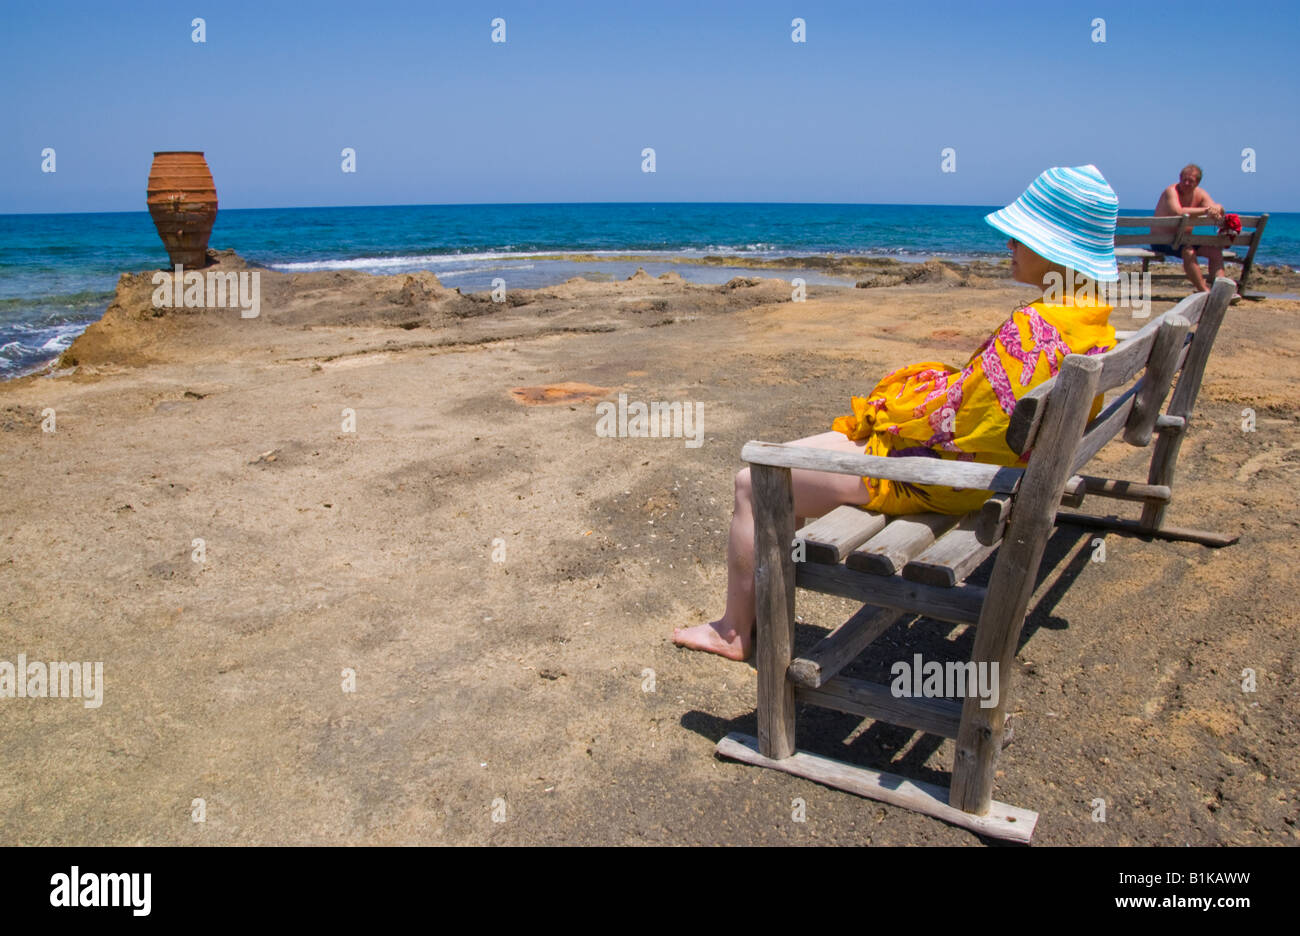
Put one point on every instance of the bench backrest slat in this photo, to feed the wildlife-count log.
(1167, 355)
(1135, 410)
(1119, 365)
(1125, 221)
(1186, 230)
(1191, 370)
(1104, 428)
(1216, 240)
(1162, 349)
(1213, 240)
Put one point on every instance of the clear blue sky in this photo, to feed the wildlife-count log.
(560, 112)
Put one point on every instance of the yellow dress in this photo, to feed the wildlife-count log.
(934, 410)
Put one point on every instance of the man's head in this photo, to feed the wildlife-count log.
(1190, 177)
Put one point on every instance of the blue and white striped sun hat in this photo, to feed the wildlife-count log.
(1066, 216)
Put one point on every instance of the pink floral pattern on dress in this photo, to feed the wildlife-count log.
(1045, 340)
(1049, 341)
(997, 377)
(944, 418)
(934, 384)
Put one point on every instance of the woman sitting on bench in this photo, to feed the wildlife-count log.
(1062, 233)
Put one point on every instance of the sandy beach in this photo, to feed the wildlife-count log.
(503, 582)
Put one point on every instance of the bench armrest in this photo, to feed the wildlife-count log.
(913, 470)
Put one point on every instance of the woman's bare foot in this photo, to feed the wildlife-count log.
(715, 637)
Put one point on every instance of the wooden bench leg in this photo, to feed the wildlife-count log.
(774, 607)
(1163, 460)
(979, 738)
(1249, 262)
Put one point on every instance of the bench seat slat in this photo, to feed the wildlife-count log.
(951, 557)
(832, 537)
(899, 542)
(1143, 253)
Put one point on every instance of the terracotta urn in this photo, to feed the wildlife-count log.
(183, 204)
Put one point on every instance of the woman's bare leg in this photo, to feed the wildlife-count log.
(815, 493)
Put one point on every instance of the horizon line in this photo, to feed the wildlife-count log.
(542, 204)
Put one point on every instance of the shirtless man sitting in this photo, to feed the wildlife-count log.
(1188, 198)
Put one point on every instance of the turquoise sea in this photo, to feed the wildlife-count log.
(58, 271)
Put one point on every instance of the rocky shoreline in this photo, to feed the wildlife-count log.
(133, 328)
(887, 271)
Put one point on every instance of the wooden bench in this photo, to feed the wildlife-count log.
(918, 565)
(1134, 237)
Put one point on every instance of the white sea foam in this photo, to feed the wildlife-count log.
(443, 274)
(357, 263)
(428, 260)
(736, 249)
(435, 262)
(65, 335)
